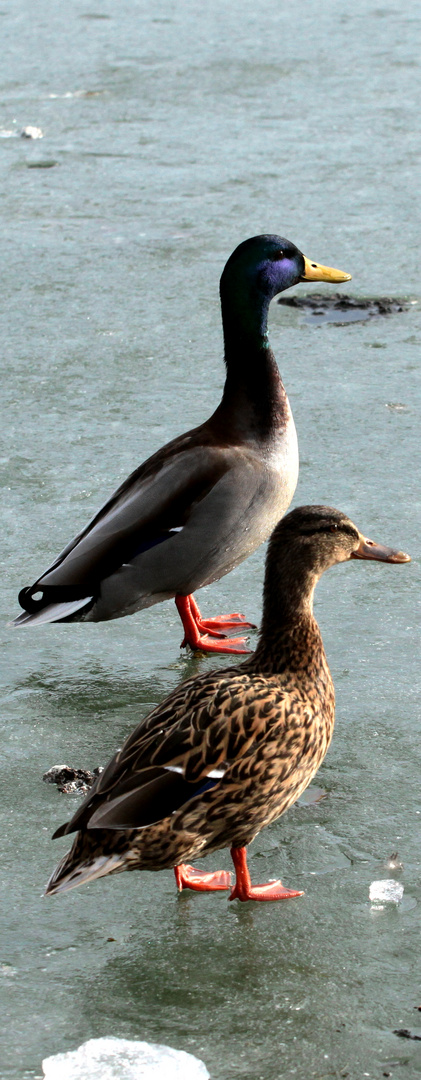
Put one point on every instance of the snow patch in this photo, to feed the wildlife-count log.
(124, 1059)
(387, 891)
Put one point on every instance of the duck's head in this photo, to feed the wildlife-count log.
(269, 264)
(313, 538)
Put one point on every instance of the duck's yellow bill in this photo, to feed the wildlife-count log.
(316, 272)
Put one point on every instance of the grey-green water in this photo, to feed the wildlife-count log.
(171, 134)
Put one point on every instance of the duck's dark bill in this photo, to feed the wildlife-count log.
(369, 550)
(316, 272)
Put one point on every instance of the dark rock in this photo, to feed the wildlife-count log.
(71, 781)
(339, 308)
(405, 1033)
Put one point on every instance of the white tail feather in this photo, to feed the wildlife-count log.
(78, 875)
(51, 613)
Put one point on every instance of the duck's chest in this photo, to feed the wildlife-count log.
(282, 763)
(296, 752)
(282, 462)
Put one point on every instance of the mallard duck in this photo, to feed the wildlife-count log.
(228, 752)
(207, 499)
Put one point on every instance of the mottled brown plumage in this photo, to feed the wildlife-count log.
(228, 752)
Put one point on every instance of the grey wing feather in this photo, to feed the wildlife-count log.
(140, 507)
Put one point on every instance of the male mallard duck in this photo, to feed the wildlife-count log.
(227, 752)
(204, 502)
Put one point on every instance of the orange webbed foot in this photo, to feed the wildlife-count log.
(226, 622)
(203, 635)
(273, 890)
(220, 644)
(187, 877)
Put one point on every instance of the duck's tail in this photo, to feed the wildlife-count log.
(68, 611)
(76, 868)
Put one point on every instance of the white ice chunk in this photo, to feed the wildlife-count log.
(124, 1059)
(387, 891)
(31, 132)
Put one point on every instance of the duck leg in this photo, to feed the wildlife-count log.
(244, 890)
(187, 877)
(212, 640)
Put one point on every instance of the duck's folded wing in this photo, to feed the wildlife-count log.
(139, 515)
(152, 506)
(181, 750)
(153, 795)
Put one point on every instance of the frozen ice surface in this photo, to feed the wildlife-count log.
(124, 1059)
(386, 891)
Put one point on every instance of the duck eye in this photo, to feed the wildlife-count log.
(278, 255)
(333, 528)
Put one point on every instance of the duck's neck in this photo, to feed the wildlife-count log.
(253, 390)
(290, 643)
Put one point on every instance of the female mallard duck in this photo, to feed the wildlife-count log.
(204, 502)
(227, 752)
